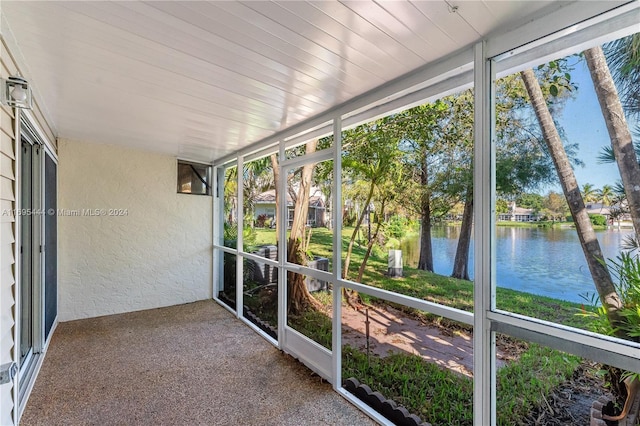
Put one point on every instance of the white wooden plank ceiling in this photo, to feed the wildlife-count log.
(203, 79)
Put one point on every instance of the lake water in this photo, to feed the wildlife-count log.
(544, 261)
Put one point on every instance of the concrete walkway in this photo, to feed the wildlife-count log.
(191, 364)
(392, 331)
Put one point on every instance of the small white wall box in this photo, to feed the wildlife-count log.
(395, 263)
(16, 92)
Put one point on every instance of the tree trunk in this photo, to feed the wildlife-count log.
(299, 297)
(372, 241)
(425, 262)
(618, 129)
(461, 262)
(347, 259)
(590, 245)
(276, 180)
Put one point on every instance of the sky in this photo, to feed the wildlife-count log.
(583, 124)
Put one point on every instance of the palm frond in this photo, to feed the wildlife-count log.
(623, 57)
(607, 156)
(631, 244)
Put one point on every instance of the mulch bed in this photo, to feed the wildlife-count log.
(570, 403)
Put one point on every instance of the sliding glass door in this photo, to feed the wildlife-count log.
(37, 249)
(28, 155)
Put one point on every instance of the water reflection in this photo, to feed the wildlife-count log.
(545, 261)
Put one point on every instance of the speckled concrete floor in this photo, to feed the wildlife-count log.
(191, 364)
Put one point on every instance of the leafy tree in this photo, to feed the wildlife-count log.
(502, 206)
(275, 169)
(522, 160)
(397, 227)
(461, 260)
(354, 194)
(370, 153)
(386, 192)
(459, 131)
(556, 206)
(522, 163)
(428, 139)
(531, 201)
(299, 297)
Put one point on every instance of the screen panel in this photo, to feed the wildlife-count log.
(51, 245)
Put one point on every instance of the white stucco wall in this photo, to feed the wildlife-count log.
(157, 254)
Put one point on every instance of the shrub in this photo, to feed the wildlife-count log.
(598, 219)
(625, 270)
(249, 237)
(379, 252)
(397, 227)
(261, 220)
(392, 243)
(349, 218)
(230, 235)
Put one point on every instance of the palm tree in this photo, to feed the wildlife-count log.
(615, 215)
(605, 195)
(590, 245)
(619, 196)
(621, 141)
(589, 193)
(230, 198)
(257, 178)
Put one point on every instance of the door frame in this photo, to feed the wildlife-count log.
(309, 352)
(26, 126)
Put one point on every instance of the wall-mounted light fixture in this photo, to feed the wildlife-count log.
(16, 92)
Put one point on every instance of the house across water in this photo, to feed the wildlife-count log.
(519, 214)
(265, 209)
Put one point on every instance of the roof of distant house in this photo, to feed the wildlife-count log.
(269, 197)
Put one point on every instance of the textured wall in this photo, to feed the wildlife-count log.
(157, 254)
